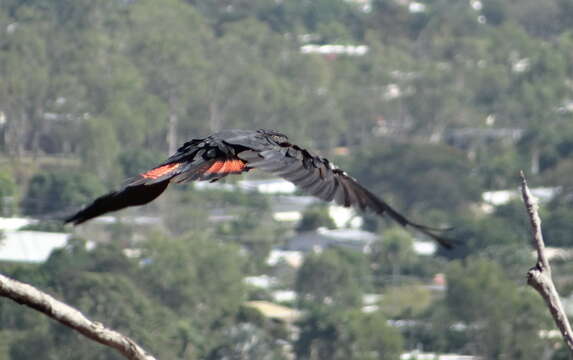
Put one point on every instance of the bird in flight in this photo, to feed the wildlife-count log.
(236, 151)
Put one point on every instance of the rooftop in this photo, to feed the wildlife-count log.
(30, 246)
(274, 311)
(14, 223)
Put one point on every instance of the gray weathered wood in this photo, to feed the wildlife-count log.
(30, 296)
(539, 276)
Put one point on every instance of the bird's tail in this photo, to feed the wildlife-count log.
(434, 233)
(131, 195)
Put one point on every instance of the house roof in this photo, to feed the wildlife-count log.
(425, 247)
(274, 311)
(417, 355)
(285, 203)
(292, 258)
(323, 238)
(260, 281)
(348, 234)
(14, 223)
(30, 246)
(265, 186)
(268, 186)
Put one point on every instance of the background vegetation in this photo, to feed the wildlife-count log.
(447, 103)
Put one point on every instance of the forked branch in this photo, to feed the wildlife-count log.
(539, 276)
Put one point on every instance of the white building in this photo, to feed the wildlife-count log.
(30, 246)
(490, 199)
(316, 241)
(418, 355)
(15, 223)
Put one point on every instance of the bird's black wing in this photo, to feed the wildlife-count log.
(195, 160)
(319, 177)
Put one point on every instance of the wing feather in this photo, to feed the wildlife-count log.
(215, 157)
(341, 196)
(292, 171)
(310, 179)
(330, 195)
(316, 176)
(195, 160)
(194, 171)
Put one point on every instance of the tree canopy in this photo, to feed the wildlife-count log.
(445, 101)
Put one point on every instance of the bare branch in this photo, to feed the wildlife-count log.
(539, 276)
(30, 296)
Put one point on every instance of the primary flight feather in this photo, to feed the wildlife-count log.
(236, 151)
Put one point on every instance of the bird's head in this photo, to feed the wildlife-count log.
(275, 136)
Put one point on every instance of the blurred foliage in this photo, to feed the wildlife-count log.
(328, 333)
(246, 341)
(152, 298)
(392, 255)
(313, 217)
(337, 277)
(558, 227)
(48, 226)
(8, 192)
(448, 103)
(406, 301)
(508, 327)
(435, 172)
(52, 192)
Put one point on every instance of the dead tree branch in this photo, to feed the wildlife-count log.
(30, 296)
(539, 276)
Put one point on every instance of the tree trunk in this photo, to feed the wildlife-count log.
(535, 155)
(38, 130)
(214, 117)
(172, 121)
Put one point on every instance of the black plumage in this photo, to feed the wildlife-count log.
(235, 151)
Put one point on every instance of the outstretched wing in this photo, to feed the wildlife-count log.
(196, 160)
(317, 176)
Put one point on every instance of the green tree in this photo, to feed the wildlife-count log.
(335, 334)
(135, 161)
(57, 191)
(495, 11)
(249, 222)
(503, 319)
(247, 341)
(404, 302)
(391, 253)
(557, 227)
(476, 234)
(26, 88)
(8, 190)
(200, 279)
(167, 46)
(335, 277)
(112, 299)
(314, 217)
(99, 283)
(417, 178)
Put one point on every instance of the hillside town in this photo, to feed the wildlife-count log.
(434, 107)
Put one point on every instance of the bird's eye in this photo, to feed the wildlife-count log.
(279, 139)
